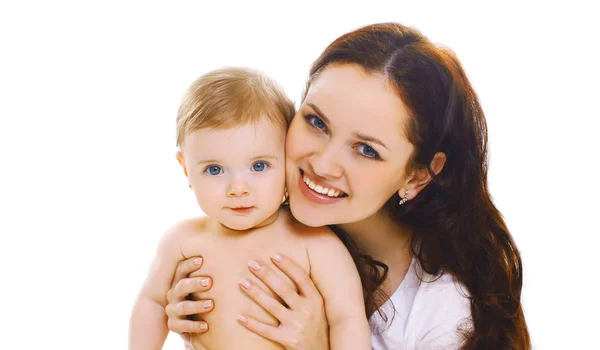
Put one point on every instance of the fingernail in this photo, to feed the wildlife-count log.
(203, 326)
(205, 282)
(198, 261)
(254, 265)
(277, 257)
(243, 318)
(207, 304)
(245, 283)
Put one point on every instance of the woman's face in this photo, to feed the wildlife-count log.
(346, 149)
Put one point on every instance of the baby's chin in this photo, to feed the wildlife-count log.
(237, 226)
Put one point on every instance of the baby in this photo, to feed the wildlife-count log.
(231, 130)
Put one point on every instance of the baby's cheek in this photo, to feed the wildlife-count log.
(272, 187)
(209, 199)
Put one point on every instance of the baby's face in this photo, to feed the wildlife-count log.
(238, 174)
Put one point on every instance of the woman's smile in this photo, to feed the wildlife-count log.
(318, 191)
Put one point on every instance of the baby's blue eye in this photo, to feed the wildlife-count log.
(260, 166)
(367, 151)
(214, 170)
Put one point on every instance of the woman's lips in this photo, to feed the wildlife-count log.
(314, 196)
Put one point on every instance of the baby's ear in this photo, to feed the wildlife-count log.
(179, 156)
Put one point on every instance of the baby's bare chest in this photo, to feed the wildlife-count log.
(226, 259)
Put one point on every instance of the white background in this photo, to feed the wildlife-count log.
(89, 181)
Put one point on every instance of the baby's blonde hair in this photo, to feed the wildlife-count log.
(231, 97)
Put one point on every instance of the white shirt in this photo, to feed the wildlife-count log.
(430, 313)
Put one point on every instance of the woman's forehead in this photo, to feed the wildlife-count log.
(358, 100)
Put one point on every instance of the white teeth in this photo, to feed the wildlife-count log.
(320, 189)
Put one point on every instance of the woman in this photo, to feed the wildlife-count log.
(393, 122)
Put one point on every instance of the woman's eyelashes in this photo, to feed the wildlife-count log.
(362, 148)
(258, 166)
(316, 122)
(367, 151)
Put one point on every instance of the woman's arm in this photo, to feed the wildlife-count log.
(303, 324)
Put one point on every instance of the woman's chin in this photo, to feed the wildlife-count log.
(309, 216)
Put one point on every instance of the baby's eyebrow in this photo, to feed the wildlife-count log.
(204, 161)
(265, 156)
(262, 156)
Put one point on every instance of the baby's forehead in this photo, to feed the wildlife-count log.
(245, 142)
(240, 133)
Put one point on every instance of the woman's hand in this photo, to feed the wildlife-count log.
(179, 307)
(303, 324)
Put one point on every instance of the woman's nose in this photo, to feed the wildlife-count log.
(326, 163)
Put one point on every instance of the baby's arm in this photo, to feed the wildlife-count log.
(148, 326)
(334, 273)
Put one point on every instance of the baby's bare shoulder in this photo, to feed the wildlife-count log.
(192, 225)
(185, 230)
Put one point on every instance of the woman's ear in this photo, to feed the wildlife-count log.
(421, 177)
(179, 156)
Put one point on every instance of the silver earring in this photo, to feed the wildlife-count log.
(405, 199)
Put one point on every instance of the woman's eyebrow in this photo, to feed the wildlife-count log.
(319, 112)
(364, 137)
(358, 135)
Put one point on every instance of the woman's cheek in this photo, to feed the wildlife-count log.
(306, 142)
(292, 141)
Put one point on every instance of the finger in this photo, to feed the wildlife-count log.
(265, 331)
(295, 273)
(267, 302)
(187, 286)
(185, 267)
(274, 282)
(187, 326)
(188, 307)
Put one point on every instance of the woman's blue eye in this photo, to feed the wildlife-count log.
(214, 170)
(316, 122)
(367, 151)
(260, 166)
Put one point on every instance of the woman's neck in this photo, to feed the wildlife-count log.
(386, 241)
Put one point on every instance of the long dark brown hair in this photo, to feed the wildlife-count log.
(456, 227)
